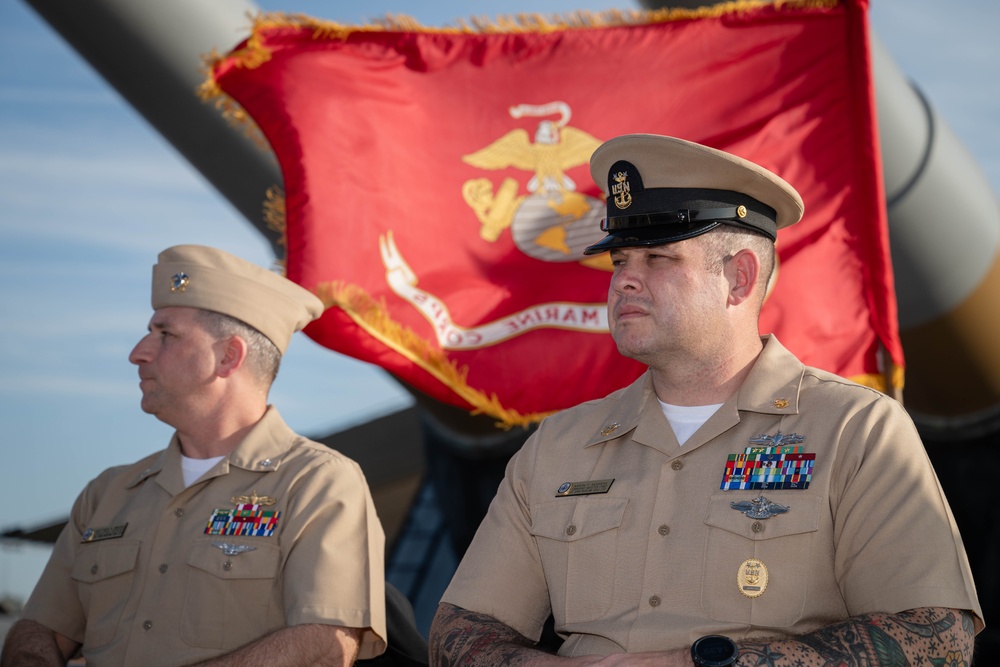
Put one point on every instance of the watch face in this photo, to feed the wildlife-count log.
(714, 651)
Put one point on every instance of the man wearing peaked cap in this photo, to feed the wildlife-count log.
(730, 507)
(241, 543)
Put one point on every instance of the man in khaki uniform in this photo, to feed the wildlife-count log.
(731, 506)
(241, 543)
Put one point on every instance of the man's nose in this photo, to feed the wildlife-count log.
(140, 353)
(625, 278)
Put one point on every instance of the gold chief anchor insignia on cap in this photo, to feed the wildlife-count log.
(621, 190)
(179, 282)
(253, 499)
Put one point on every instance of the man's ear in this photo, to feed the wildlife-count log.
(743, 272)
(233, 353)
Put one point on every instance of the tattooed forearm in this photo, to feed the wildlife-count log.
(462, 637)
(927, 636)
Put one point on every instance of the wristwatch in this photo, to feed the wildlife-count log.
(714, 651)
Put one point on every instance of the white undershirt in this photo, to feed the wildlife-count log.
(686, 419)
(193, 469)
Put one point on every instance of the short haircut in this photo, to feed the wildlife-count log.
(723, 242)
(263, 356)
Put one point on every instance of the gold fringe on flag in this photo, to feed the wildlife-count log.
(375, 319)
(253, 53)
(274, 217)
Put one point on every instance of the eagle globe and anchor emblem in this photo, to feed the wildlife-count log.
(552, 222)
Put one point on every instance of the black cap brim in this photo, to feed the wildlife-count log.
(650, 236)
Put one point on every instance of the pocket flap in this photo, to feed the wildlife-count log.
(570, 519)
(102, 560)
(255, 560)
(802, 517)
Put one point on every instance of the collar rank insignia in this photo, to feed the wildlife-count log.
(233, 549)
(759, 508)
(776, 462)
(610, 428)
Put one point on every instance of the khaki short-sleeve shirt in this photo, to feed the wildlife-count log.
(651, 553)
(281, 532)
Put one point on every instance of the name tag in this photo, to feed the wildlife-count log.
(98, 534)
(586, 488)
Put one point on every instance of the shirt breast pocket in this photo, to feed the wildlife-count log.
(577, 541)
(104, 573)
(770, 596)
(231, 599)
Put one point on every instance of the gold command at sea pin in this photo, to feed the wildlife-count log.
(248, 519)
(752, 578)
(108, 533)
(587, 488)
(774, 462)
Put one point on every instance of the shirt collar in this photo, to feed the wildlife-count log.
(771, 387)
(261, 450)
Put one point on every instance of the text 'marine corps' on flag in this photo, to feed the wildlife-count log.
(438, 195)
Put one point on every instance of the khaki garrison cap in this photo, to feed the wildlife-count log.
(663, 189)
(197, 276)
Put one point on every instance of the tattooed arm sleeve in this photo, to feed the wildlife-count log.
(926, 636)
(462, 637)
(929, 636)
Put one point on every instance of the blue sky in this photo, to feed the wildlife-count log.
(89, 194)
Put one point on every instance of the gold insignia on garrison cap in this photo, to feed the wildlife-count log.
(179, 282)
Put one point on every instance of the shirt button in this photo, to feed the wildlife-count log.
(163, 568)
(571, 529)
(654, 601)
(227, 566)
(93, 570)
(179, 512)
(677, 465)
(757, 527)
(146, 625)
(663, 530)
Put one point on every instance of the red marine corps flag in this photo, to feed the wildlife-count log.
(438, 194)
